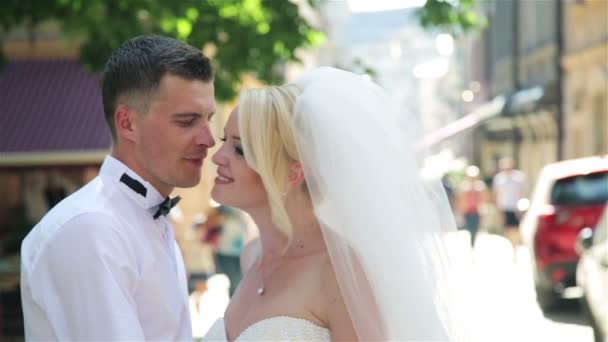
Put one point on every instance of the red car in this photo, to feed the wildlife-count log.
(569, 196)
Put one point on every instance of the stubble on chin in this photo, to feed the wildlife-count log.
(191, 181)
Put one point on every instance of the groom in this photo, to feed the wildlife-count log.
(103, 264)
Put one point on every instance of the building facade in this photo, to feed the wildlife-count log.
(516, 60)
(585, 63)
(553, 73)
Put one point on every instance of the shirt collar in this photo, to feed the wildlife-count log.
(111, 171)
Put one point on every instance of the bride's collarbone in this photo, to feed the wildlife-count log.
(296, 296)
(247, 304)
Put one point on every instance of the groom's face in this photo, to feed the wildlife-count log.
(174, 135)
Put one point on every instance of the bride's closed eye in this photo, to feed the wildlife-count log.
(238, 149)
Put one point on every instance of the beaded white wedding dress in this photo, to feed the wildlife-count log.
(281, 328)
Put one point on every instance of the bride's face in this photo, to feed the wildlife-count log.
(236, 184)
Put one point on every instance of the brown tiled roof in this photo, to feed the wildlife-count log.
(50, 106)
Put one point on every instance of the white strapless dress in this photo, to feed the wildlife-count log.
(281, 328)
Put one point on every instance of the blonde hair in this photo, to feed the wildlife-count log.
(269, 143)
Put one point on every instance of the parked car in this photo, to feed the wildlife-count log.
(569, 196)
(592, 276)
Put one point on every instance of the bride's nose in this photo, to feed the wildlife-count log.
(219, 157)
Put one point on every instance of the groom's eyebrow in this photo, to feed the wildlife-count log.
(186, 115)
(192, 115)
(236, 137)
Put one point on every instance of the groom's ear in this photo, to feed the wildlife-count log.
(296, 174)
(125, 123)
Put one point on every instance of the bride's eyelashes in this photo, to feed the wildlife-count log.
(238, 149)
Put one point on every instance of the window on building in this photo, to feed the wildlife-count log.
(577, 143)
(600, 122)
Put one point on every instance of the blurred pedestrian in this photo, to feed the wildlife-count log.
(199, 287)
(226, 231)
(508, 186)
(208, 302)
(471, 197)
(197, 256)
(213, 302)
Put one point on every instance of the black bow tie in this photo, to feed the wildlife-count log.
(163, 208)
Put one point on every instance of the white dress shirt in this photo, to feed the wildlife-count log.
(99, 267)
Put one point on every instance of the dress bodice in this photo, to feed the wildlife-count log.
(281, 328)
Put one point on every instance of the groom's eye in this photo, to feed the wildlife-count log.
(187, 123)
(187, 119)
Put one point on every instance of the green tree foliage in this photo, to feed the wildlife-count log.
(453, 16)
(243, 35)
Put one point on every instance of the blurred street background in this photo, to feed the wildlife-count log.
(511, 95)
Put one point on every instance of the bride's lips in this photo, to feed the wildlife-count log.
(223, 179)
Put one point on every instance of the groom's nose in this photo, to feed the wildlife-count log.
(205, 137)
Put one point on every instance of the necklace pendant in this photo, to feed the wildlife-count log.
(260, 291)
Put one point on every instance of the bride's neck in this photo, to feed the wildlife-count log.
(306, 235)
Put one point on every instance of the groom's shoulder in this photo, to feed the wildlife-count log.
(93, 198)
(86, 210)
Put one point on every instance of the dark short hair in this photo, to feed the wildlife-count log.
(136, 68)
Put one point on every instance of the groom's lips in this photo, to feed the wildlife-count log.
(196, 161)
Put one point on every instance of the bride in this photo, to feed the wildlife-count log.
(351, 243)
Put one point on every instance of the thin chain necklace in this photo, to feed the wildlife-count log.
(262, 289)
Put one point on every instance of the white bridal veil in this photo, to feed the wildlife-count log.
(384, 225)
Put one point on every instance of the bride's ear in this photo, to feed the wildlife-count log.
(296, 175)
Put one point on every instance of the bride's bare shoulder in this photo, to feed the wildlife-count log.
(251, 251)
(336, 314)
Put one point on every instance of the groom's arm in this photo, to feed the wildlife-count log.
(83, 281)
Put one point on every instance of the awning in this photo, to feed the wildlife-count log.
(524, 104)
(502, 109)
(531, 99)
(479, 115)
(51, 113)
(42, 159)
